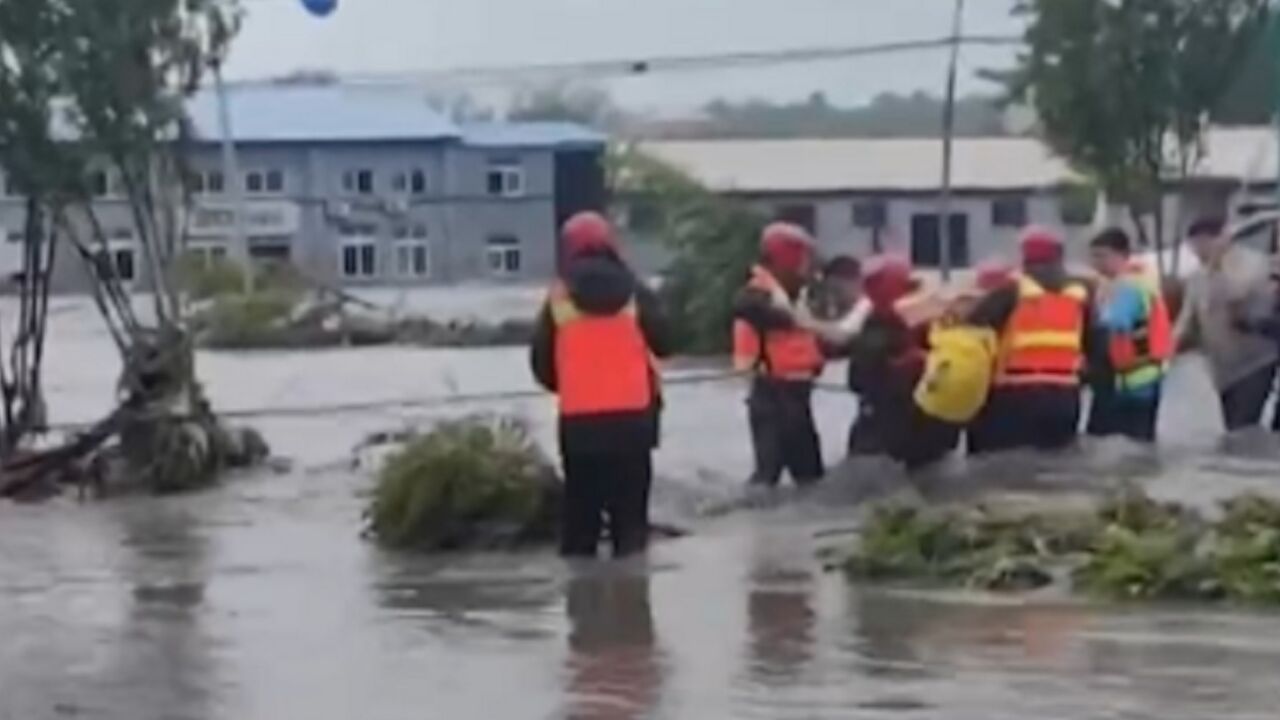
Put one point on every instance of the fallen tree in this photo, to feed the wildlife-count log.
(92, 102)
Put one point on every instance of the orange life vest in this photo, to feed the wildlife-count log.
(790, 354)
(603, 364)
(1138, 356)
(1043, 342)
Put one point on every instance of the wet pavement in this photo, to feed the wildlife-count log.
(259, 600)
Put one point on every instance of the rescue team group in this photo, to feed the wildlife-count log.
(999, 364)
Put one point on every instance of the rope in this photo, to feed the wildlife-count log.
(361, 406)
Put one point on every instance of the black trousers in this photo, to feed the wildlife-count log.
(1113, 414)
(606, 490)
(783, 435)
(1243, 402)
(923, 440)
(1039, 417)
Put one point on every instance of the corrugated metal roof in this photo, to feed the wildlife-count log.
(531, 134)
(915, 165)
(328, 113)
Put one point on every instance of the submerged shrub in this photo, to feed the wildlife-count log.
(1130, 547)
(476, 482)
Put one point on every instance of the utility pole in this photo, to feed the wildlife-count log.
(948, 133)
(233, 182)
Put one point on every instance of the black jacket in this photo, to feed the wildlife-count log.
(600, 284)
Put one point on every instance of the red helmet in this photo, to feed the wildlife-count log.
(994, 274)
(887, 279)
(786, 246)
(585, 232)
(1040, 244)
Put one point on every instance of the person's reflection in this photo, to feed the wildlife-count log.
(613, 668)
(781, 622)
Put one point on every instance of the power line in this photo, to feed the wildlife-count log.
(643, 66)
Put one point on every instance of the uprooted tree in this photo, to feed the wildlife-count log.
(1124, 88)
(92, 96)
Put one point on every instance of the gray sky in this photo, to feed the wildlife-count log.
(367, 37)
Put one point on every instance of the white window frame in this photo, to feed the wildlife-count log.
(407, 255)
(511, 180)
(499, 253)
(264, 176)
(351, 181)
(357, 240)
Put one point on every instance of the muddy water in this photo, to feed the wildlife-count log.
(258, 600)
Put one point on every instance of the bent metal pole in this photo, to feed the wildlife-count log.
(948, 132)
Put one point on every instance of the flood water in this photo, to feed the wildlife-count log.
(259, 601)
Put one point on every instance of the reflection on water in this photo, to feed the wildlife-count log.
(259, 601)
(613, 668)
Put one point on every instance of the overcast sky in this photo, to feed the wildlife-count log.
(372, 37)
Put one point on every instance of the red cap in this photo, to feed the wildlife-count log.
(1040, 245)
(886, 280)
(786, 246)
(585, 232)
(994, 274)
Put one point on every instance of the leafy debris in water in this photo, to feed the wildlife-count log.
(1131, 547)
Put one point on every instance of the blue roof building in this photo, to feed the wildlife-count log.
(366, 185)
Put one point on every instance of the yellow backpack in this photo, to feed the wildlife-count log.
(958, 372)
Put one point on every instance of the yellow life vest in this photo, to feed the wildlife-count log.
(958, 372)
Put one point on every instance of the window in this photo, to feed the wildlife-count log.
(505, 180)
(264, 181)
(418, 182)
(359, 252)
(15, 236)
(119, 262)
(266, 249)
(503, 255)
(10, 186)
(412, 259)
(400, 232)
(1009, 212)
(99, 184)
(400, 182)
(213, 182)
(358, 182)
(926, 241)
(121, 233)
(870, 214)
(801, 214)
(420, 232)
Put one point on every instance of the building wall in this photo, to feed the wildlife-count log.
(457, 216)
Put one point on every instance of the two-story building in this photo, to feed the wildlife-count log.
(361, 185)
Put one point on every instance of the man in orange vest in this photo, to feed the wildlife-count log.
(1044, 323)
(594, 346)
(771, 340)
(1135, 342)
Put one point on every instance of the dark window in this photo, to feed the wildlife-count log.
(98, 184)
(254, 182)
(420, 232)
(870, 214)
(364, 182)
(275, 181)
(505, 180)
(802, 214)
(926, 243)
(196, 182)
(418, 182)
(1009, 212)
(122, 264)
(213, 182)
(504, 255)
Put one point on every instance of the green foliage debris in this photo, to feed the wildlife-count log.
(1130, 547)
(475, 483)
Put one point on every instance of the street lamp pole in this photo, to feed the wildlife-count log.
(233, 182)
(948, 133)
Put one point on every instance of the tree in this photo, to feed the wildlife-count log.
(97, 88)
(714, 240)
(887, 115)
(1124, 88)
(568, 103)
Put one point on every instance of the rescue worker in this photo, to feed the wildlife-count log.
(992, 276)
(771, 342)
(1134, 343)
(594, 346)
(885, 362)
(1043, 321)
